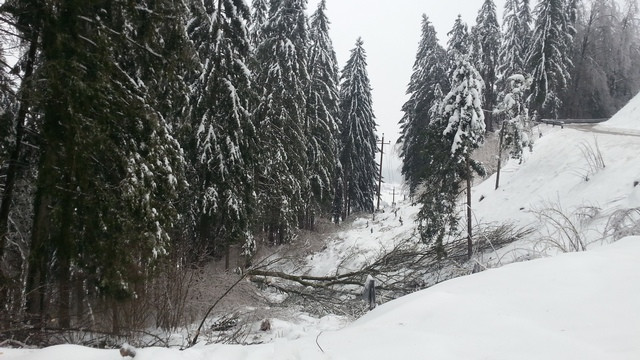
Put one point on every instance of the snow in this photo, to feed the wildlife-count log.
(572, 306)
(580, 305)
(627, 118)
(557, 175)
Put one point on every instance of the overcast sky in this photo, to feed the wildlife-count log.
(391, 32)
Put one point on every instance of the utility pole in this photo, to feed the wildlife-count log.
(382, 143)
(393, 202)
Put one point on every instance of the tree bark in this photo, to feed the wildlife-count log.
(38, 259)
(12, 170)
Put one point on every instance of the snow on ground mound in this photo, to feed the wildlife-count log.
(559, 176)
(573, 306)
(627, 118)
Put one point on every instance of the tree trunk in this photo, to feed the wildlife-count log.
(79, 295)
(12, 170)
(227, 255)
(469, 229)
(64, 250)
(41, 246)
(38, 259)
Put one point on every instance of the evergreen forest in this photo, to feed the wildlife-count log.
(142, 138)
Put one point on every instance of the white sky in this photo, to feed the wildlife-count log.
(391, 32)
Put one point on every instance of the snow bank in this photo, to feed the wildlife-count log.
(627, 118)
(573, 306)
(558, 175)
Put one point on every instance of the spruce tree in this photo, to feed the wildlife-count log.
(459, 41)
(322, 115)
(281, 118)
(548, 61)
(429, 74)
(439, 186)
(512, 53)
(224, 132)
(259, 16)
(462, 111)
(487, 34)
(526, 23)
(515, 131)
(358, 135)
(109, 169)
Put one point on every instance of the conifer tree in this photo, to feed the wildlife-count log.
(439, 186)
(459, 41)
(462, 111)
(526, 23)
(281, 118)
(487, 34)
(429, 74)
(109, 169)
(259, 16)
(515, 132)
(26, 17)
(548, 60)
(358, 134)
(322, 115)
(225, 133)
(513, 49)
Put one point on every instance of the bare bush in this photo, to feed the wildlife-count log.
(565, 230)
(593, 157)
(623, 222)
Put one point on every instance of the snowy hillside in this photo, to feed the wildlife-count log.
(581, 305)
(580, 177)
(628, 118)
(573, 306)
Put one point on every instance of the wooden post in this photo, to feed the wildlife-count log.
(469, 223)
(382, 143)
(393, 202)
(372, 294)
(500, 155)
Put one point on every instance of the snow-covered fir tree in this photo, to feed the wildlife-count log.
(429, 76)
(464, 132)
(281, 61)
(110, 170)
(437, 192)
(459, 41)
(322, 116)
(516, 126)
(259, 16)
(225, 135)
(358, 136)
(548, 60)
(488, 37)
(526, 22)
(513, 49)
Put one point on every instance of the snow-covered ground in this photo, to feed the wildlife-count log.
(628, 118)
(573, 306)
(581, 305)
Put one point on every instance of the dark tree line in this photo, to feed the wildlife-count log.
(561, 58)
(135, 134)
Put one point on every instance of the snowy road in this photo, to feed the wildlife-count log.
(597, 129)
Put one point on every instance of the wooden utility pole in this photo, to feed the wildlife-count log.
(393, 202)
(382, 143)
(500, 154)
